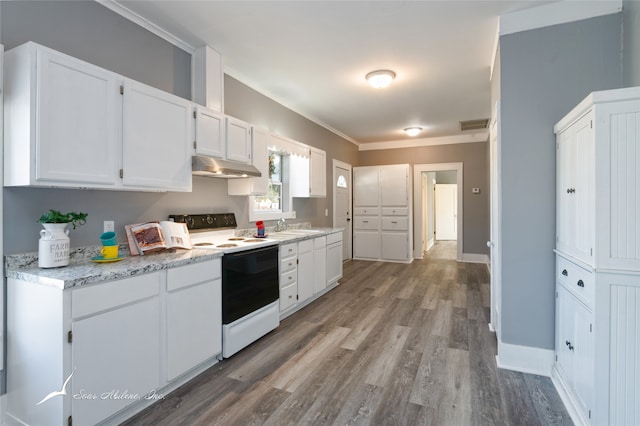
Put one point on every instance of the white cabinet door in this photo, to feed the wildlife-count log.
(366, 244)
(366, 186)
(317, 173)
(394, 245)
(583, 356)
(305, 270)
(156, 136)
(334, 262)
(319, 264)
(76, 111)
(238, 135)
(564, 332)
(576, 189)
(394, 185)
(209, 132)
(114, 356)
(194, 326)
(254, 185)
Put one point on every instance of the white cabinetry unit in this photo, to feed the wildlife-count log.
(156, 131)
(208, 78)
(334, 258)
(305, 270)
(382, 228)
(319, 264)
(194, 320)
(308, 269)
(238, 136)
(111, 340)
(74, 125)
(209, 132)
(309, 174)
(288, 254)
(597, 371)
(254, 185)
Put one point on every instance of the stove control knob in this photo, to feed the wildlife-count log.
(209, 220)
(189, 221)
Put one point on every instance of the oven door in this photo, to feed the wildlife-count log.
(249, 282)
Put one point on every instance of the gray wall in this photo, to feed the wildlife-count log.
(91, 32)
(631, 47)
(474, 156)
(544, 73)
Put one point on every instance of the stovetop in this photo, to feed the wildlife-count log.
(216, 232)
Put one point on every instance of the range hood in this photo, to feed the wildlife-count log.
(215, 167)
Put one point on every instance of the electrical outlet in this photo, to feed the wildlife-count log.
(108, 226)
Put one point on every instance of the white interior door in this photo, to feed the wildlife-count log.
(342, 204)
(446, 209)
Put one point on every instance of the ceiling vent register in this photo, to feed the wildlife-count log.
(474, 124)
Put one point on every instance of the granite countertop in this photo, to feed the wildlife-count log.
(83, 271)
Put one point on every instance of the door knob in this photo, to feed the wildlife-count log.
(489, 244)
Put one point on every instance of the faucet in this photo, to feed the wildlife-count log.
(281, 225)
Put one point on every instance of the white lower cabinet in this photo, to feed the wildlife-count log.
(574, 348)
(194, 325)
(334, 258)
(319, 264)
(110, 346)
(307, 269)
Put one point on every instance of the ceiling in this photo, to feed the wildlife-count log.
(312, 56)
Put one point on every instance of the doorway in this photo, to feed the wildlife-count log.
(342, 195)
(425, 179)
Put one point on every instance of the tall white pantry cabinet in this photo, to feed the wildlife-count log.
(597, 364)
(382, 228)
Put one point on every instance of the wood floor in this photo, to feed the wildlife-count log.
(393, 344)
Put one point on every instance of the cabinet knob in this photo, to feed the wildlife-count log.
(571, 190)
(580, 283)
(565, 273)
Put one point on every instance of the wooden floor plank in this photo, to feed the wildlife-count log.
(392, 344)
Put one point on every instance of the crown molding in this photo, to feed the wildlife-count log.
(127, 13)
(417, 143)
(556, 13)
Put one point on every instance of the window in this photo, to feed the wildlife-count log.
(277, 202)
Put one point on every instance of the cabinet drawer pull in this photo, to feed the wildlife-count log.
(365, 221)
(569, 345)
(565, 273)
(580, 283)
(394, 222)
(571, 190)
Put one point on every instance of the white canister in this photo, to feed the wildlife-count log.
(53, 247)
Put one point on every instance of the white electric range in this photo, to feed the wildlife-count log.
(250, 278)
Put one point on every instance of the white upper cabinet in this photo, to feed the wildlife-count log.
(317, 173)
(68, 125)
(60, 120)
(394, 185)
(366, 191)
(209, 132)
(208, 78)
(238, 136)
(254, 185)
(156, 130)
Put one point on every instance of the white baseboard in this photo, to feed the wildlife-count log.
(525, 359)
(475, 258)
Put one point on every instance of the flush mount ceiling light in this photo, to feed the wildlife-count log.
(381, 78)
(413, 131)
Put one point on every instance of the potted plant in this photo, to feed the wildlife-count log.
(54, 244)
(54, 216)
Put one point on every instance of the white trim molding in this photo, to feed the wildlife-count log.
(475, 258)
(416, 143)
(418, 220)
(127, 13)
(561, 12)
(525, 359)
